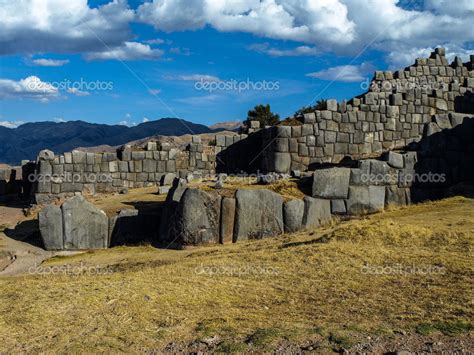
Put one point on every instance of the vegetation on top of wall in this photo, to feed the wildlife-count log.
(320, 105)
(264, 115)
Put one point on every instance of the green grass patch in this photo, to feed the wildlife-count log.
(447, 328)
(264, 337)
(230, 347)
(340, 341)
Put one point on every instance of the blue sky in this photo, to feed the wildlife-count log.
(148, 56)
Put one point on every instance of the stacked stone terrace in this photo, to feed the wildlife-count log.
(80, 172)
(392, 114)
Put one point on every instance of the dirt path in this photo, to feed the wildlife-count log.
(17, 257)
(19, 247)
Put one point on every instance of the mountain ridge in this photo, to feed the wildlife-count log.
(25, 141)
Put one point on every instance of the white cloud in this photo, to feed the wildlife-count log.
(58, 26)
(44, 62)
(77, 92)
(403, 57)
(345, 73)
(194, 77)
(128, 51)
(29, 88)
(127, 123)
(294, 52)
(59, 120)
(154, 91)
(145, 120)
(155, 41)
(180, 51)
(11, 124)
(199, 100)
(289, 19)
(344, 27)
(341, 26)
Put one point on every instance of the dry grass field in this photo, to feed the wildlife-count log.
(407, 272)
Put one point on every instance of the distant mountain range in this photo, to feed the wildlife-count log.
(229, 126)
(25, 141)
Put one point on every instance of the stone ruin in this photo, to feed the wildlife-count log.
(372, 151)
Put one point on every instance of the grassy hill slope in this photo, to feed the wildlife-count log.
(401, 275)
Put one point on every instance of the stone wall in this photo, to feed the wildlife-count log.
(398, 109)
(11, 180)
(444, 161)
(393, 114)
(80, 172)
(194, 217)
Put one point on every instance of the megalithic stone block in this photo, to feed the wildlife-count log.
(85, 226)
(259, 214)
(227, 220)
(51, 227)
(293, 212)
(332, 183)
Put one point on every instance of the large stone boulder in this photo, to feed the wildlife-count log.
(365, 199)
(316, 212)
(198, 218)
(293, 212)
(51, 227)
(259, 214)
(331, 183)
(76, 225)
(85, 226)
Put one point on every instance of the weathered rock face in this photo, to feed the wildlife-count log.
(77, 225)
(51, 227)
(198, 218)
(397, 196)
(46, 155)
(170, 209)
(85, 226)
(316, 212)
(332, 183)
(365, 199)
(293, 212)
(259, 214)
(227, 220)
